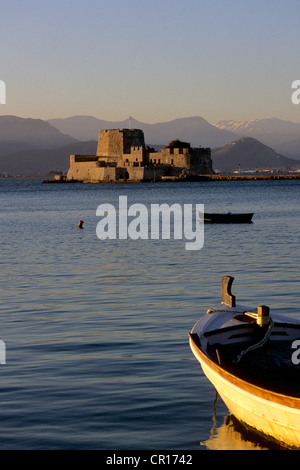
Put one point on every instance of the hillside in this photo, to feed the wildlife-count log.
(290, 149)
(32, 146)
(195, 130)
(18, 133)
(277, 133)
(249, 154)
(35, 162)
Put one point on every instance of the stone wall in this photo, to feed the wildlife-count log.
(201, 162)
(82, 166)
(90, 172)
(137, 157)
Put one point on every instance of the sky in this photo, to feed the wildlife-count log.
(154, 60)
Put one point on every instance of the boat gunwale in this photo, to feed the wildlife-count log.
(260, 392)
(246, 325)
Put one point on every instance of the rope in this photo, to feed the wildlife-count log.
(257, 345)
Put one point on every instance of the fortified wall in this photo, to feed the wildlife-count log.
(122, 156)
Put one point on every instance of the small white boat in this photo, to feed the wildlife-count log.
(251, 359)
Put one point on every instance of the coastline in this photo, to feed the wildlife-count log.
(215, 177)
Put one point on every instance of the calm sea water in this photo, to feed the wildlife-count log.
(96, 332)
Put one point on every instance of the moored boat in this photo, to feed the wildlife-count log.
(228, 218)
(251, 358)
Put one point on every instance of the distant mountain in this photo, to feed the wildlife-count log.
(32, 146)
(249, 154)
(42, 161)
(85, 127)
(274, 132)
(19, 133)
(195, 130)
(290, 149)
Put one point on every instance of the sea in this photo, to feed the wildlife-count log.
(95, 331)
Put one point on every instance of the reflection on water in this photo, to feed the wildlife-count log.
(232, 435)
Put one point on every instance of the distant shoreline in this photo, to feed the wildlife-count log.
(255, 177)
(215, 177)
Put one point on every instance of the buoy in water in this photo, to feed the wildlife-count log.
(80, 225)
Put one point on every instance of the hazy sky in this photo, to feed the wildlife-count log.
(155, 60)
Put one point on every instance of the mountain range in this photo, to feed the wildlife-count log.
(195, 130)
(36, 147)
(248, 153)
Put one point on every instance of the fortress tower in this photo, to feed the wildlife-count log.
(115, 142)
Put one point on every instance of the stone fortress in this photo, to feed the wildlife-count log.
(123, 156)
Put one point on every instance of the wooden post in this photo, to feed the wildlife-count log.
(263, 316)
(263, 311)
(227, 297)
